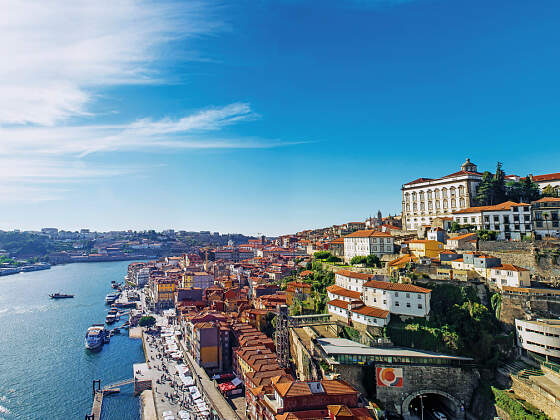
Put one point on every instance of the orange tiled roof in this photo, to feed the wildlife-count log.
(509, 267)
(548, 200)
(338, 303)
(502, 206)
(546, 177)
(341, 291)
(354, 274)
(368, 234)
(371, 311)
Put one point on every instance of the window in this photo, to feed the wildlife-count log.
(419, 296)
(408, 295)
(396, 293)
(419, 306)
(384, 302)
(408, 304)
(453, 202)
(397, 304)
(444, 204)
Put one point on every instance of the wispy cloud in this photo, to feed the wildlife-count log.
(57, 53)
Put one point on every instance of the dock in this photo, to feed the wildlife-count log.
(99, 393)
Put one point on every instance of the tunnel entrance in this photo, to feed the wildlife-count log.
(432, 405)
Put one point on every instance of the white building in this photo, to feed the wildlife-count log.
(510, 275)
(548, 179)
(367, 242)
(397, 298)
(351, 280)
(425, 198)
(357, 312)
(509, 220)
(546, 217)
(335, 292)
(541, 336)
(141, 277)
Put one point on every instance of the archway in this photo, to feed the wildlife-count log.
(432, 401)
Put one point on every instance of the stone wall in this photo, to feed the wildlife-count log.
(523, 307)
(460, 383)
(536, 396)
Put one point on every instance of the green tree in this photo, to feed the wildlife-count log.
(373, 261)
(358, 259)
(147, 321)
(322, 255)
(485, 190)
(492, 188)
(455, 227)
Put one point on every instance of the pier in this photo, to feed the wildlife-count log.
(99, 393)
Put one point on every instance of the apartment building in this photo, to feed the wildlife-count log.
(511, 221)
(425, 199)
(541, 336)
(397, 298)
(546, 217)
(367, 242)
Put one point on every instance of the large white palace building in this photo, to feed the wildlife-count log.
(425, 198)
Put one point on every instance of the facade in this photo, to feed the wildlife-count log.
(510, 275)
(164, 296)
(200, 280)
(511, 221)
(397, 298)
(425, 248)
(546, 217)
(425, 199)
(367, 242)
(464, 241)
(547, 181)
(541, 336)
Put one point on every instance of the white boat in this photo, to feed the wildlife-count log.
(95, 337)
(111, 298)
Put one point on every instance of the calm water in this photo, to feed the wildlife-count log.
(45, 372)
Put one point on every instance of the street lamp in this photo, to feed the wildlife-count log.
(422, 406)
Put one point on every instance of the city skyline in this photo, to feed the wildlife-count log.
(264, 117)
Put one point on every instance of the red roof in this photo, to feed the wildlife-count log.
(368, 234)
(547, 177)
(502, 206)
(371, 311)
(338, 303)
(341, 291)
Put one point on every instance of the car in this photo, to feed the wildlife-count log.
(439, 415)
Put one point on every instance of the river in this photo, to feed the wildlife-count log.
(45, 371)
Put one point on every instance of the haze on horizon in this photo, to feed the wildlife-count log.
(263, 117)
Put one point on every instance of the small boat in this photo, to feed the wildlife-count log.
(111, 298)
(60, 296)
(95, 336)
(109, 319)
(116, 330)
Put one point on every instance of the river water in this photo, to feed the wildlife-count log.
(45, 371)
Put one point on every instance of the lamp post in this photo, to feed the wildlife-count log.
(422, 406)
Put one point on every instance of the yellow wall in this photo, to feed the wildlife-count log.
(209, 354)
(426, 248)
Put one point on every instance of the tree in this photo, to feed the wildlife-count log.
(455, 227)
(484, 193)
(332, 258)
(499, 185)
(373, 261)
(147, 321)
(358, 259)
(523, 191)
(322, 255)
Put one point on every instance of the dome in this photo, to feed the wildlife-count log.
(468, 166)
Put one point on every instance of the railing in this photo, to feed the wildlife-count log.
(117, 384)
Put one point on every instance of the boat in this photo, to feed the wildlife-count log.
(95, 337)
(116, 285)
(111, 298)
(109, 319)
(60, 296)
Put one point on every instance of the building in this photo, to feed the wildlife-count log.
(548, 180)
(546, 217)
(164, 292)
(425, 248)
(510, 221)
(437, 234)
(397, 298)
(510, 275)
(367, 242)
(297, 289)
(541, 336)
(197, 279)
(425, 199)
(464, 241)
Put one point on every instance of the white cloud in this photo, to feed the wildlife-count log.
(56, 53)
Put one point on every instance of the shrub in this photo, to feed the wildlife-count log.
(322, 255)
(147, 321)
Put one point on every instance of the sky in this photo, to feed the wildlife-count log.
(263, 116)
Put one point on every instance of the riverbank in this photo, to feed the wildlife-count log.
(45, 371)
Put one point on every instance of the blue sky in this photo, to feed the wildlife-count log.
(264, 116)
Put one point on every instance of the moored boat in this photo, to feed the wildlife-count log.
(95, 337)
(111, 298)
(60, 296)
